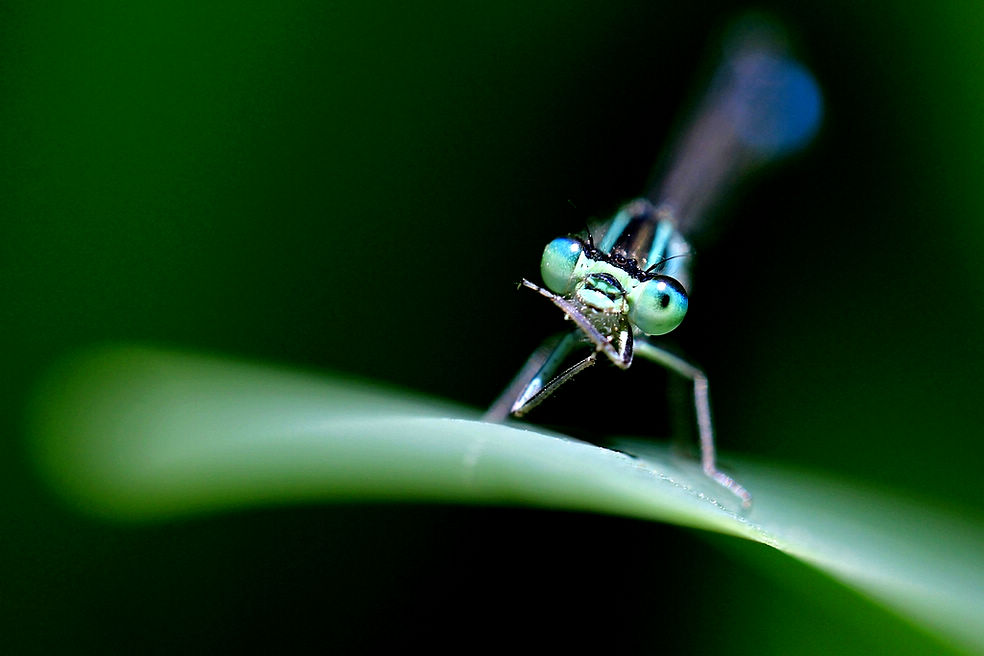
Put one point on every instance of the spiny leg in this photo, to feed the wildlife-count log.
(703, 406)
(536, 380)
(501, 408)
(616, 344)
(527, 402)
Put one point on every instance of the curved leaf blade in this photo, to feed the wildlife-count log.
(140, 434)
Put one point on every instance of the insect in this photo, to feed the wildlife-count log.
(626, 283)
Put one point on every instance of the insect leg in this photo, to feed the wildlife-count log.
(536, 381)
(703, 407)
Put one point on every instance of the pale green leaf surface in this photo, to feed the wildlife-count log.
(142, 434)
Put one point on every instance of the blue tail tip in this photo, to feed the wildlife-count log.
(782, 106)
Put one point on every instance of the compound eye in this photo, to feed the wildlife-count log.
(657, 306)
(557, 266)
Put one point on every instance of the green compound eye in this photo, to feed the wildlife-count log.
(658, 306)
(557, 266)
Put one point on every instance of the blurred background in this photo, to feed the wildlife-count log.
(284, 181)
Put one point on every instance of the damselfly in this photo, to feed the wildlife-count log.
(626, 282)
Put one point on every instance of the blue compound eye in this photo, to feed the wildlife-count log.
(657, 306)
(557, 266)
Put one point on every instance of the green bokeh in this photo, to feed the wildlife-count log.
(281, 181)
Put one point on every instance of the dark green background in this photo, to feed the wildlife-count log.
(357, 186)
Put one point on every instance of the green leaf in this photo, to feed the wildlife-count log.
(140, 434)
